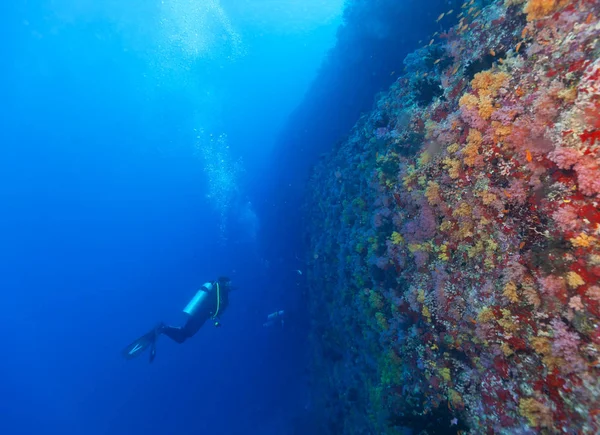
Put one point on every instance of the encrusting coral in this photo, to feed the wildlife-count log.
(465, 282)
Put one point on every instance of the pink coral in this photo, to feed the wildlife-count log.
(552, 285)
(566, 218)
(517, 191)
(594, 293)
(588, 176)
(471, 116)
(566, 346)
(565, 158)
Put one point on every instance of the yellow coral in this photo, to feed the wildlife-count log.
(574, 279)
(468, 100)
(475, 250)
(541, 345)
(506, 350)
(426, 313)
(488, 198)
(536, 9)
(414, 247)
(582, 241)
(424, 158)
(485, 315)
(501, 131)
(453, 148)
(443, 255)
(463, 210)
(531, 295)
(397, 238)
(536, 413)
(486, 107)
(445, 225)
(489, 83)
(471, 150)
(507, 322)
(432, 193)
(465, 230)
(453, 167)
(445, 372)
(455, 398)
(510, 292)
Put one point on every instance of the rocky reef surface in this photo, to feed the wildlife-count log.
(454, 237)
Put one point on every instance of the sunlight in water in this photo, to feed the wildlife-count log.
(198, 29)
(285, 16)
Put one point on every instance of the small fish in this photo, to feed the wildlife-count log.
(518, 46)
(437, 61)
(392, 73)
(460, 15)
(524, 32)
(455, 70)
(521, 245)
(431, 42)
(492, 52)
(471, 2)
(440, 17)
(298, 271)
(528, 156)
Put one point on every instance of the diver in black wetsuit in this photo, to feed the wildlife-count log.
(209, 303)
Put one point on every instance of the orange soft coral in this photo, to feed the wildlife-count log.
(536, 9)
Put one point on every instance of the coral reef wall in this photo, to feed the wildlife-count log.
(454, 237)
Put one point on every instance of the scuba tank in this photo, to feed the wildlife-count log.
(192, 307)
(275, 315)
(273, 318)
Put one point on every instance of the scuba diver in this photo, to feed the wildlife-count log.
(209, 303)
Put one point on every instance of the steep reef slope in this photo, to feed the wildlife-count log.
(455, 235)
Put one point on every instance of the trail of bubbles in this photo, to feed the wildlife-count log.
(223, 174)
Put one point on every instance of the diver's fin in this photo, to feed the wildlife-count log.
(140, 345)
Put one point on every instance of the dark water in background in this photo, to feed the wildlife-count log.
(106, 227)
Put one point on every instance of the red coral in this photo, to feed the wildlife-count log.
(592, 136)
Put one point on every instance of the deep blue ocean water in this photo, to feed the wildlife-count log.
(140, 146)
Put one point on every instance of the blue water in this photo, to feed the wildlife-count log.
(147, 147)
(117, 205)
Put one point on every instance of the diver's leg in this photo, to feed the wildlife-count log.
(193, 325)
(176, 334)
(180, 334)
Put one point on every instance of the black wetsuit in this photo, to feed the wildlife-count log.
(204, 312)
